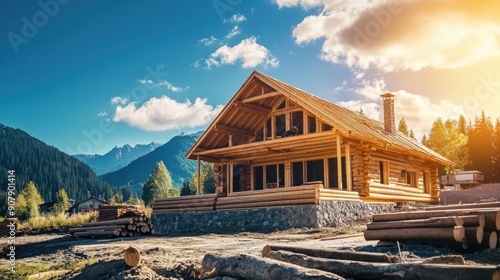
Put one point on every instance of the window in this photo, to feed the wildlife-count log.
(258, 177)
(411, 178)
(315, 171)
(280, 125)
(333, 173)
(384, 172)
(297, 119)
(269, 129)
(326, 127)
(297, 173)
(312, 124)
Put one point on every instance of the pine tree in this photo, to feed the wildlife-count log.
(402, 127)
(481, 146)
(27, 202)
(496, 153)
(187, 188)
(462, 125)
(62, 202)
(208, 178)
(412, 135)
(159, 184)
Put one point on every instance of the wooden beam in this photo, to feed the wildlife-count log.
(233, 130)
(198, 175)
(260, 97)
(339, 162)
(252, 108)
(348, 166)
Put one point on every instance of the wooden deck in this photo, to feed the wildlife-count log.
(307, 194)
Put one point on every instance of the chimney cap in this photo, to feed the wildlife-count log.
(387, 95)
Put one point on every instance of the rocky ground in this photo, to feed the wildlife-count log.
(59, 256)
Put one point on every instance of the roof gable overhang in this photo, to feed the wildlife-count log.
(259, 96)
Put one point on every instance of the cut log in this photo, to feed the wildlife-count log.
(79, 229)
(252, 268)
(333, 254)
(95, 233)
(490, 240)
(420, 223)
(132, 256)
(473, 221)
(492, 221)
(456, 233)
(365, 270)
(474, 235)
(465, 206)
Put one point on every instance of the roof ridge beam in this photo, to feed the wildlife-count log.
(262, 96)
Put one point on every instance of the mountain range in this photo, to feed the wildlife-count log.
(48, 168)
(171, 153)
(117, 158)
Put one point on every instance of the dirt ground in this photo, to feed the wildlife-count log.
(179, 257)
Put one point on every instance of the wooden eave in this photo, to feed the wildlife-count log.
(255, 101)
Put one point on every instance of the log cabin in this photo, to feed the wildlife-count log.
(338, 153)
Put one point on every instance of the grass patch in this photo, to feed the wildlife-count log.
(23, 271)
(58, 221)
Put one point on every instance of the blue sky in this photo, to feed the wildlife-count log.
(85, 76)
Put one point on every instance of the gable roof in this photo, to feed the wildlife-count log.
(256, 98)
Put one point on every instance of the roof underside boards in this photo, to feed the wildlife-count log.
(261, 94)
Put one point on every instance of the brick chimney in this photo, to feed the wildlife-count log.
(389, 121)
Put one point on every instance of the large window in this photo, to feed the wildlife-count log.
(333, 173)
(297, 173)
(280, 125)
(297, 119)
(312, 124)
(258, 177)
(315, 170)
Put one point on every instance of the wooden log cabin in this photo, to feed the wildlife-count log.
(340, 153)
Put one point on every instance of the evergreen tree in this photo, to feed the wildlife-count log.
(496, 153)
(208, 178)
(187, 188)
(159, 184)
(126, 192)
(446, 139)
(481, 146)
(402, 127)
(62, 202)
(412, 135)
(194, 180)
(424, 139)
(462, 125)
(27, 202)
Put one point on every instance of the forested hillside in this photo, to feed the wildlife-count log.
(49, 168)
(173, 155)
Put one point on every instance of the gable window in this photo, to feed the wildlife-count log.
(311, 123)
(269, 128)
(326, 127)
(297, 119)
(280, 125)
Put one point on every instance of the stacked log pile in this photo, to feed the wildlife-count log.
(133, 226)
(286, 262)
(108, 213)
(468, 226)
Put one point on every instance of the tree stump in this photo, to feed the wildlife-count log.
(132, 256)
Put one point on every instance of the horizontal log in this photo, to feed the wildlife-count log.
(492, 220)
(78, 229)
(96, 233)
(380, 190)
(399, 198)
(474, 235)
(267, 197)
(187, 197)
(430, 214)
(398, 271)
(464, 206)
(472, 221)
(420, 223)
(124, 221)
(190, 209)
(396, 188)
(456, 233)
(277, 190)
(266, 204)
(184, 205)
(190, 201)
(333, 254)
(252, 268)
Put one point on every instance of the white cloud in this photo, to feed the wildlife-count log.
(151, 83)
(306, 4)
(236, 18)
(405, 34)
(143, 82)
(248, 52)
(118, 100)
(208, 41)
(159, 114)
(102, 114)
(418, 111)
(171, 87)
(235, 31)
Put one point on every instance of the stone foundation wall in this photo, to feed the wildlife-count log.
(328, 214)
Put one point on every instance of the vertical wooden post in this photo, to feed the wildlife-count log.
(339, 162)
(287, 174)
(326, 173)
(198, 175)
(252, 180)
(348, 166)
(230, 176)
